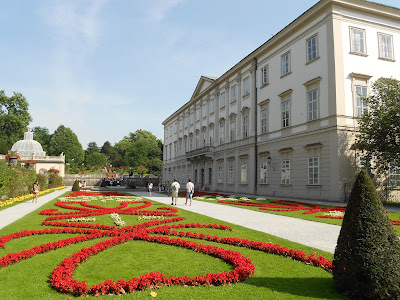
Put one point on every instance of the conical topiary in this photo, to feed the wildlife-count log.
(76, 187)
(366, 263)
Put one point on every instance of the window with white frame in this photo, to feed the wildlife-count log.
(394, 177)
(180, 147)
(312, 100)
(243, 173)
(211, 135)
(191, 142)
(220, 174)
(221, 133)
(264, 120)
(285, 172)
(175, 149)
(170, 130)
(176, 126)
(233, 93)
(361, 105)
(197, 113)
(222, 100)
(285, 113)
(197, 140)
(265, 75)
(232, 132)
(211, 105)
(170, 151)
(245, 124)
(185, 144)
(285, 63)
(313, 170)
(191, 117)
(263, 172)
(166, 132)
(246, 86)
(186, 121)
(358, 45)
(204, 110)
(204, 138)
(166, 153)
(230, 173)
(312, 48)
(385, 46)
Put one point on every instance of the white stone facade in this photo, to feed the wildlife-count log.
(281, 122)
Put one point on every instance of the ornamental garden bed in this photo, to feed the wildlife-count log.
(94, 244)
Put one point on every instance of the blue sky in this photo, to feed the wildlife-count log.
(105, 68)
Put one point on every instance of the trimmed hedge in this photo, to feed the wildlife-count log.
(366, 263)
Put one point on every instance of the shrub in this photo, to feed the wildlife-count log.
(366, 261)
(55, 180)
(76, 187)
(42, 179)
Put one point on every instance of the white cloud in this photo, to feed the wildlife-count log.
(159, 9)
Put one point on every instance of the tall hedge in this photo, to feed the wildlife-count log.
(366, 263)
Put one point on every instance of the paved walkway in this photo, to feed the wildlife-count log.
(12, 214)
(314, 234)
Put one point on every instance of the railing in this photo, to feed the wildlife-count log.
(207, 150)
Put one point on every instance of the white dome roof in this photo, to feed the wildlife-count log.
(28, 146)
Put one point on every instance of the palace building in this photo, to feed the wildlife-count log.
(282, 121)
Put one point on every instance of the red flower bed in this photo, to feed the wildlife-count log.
(62, 277)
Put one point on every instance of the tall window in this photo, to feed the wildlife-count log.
(197, 140)
(285, 60)
(233, 93)
(265, 75)
(361, 106)
(222, 100)
(191, 117)
(170, 151)
(186, 121)
(175, 153)
(312, 99)
(285, 114)
(264, 120)
(358, 41)
(246, 86)
(211, 105)
(313, 170)
(166, 132)
(180, 147)
(211, 135)
(221, 133)
(263, 173)
(230, 173)
(385, 46)
(394, 178)
(312, 48)
(243, 174)
(245, 125)
(203, 138)
(170, 130)
(220, 174)
(197, 113)
(204, 110)
(191, 142)
(232, 132)
(285, 173)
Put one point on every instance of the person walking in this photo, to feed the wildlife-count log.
(84, 185)
(189, 191)
(175, 186)
(150, 188)
(35, 191)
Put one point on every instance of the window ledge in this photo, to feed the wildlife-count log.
(211, 113)
(387, 59)
(311, 61)
(313, 185)
(286, 185)
(264, 184)
(359, 54)
(233, 102)
(287, 74)
(264, 85)
(246, 96)
(244, 183)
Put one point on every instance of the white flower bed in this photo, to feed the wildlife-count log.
(261, 199)
(117, 219)
(334, 213)
(84, 220)
(150, 218)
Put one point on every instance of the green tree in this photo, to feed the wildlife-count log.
(112, 155)
(93, 157)
(64, 140)
(366, 263)
(141, 170)
(42, 135)
(14, 119)
(379, 130)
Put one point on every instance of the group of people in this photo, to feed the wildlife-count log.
(174, 189)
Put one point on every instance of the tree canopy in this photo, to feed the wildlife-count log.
(42, 135)
(65, 140)
(14, 119)
(379, 130)
(93, 157)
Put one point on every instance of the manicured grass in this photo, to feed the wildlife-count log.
(275, 277)
(299, 214)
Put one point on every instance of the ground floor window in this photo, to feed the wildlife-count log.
(285, 172)
(394, 178)
(313, 170)
(263, 173)
(243, 174)
(230, 174)
(220, 174)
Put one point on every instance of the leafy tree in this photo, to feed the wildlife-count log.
(14, 119)
(65, 140)
(366, 263)
(42, 135)
(96, 159)
(112, 155)
(141, 170)
(379, 130)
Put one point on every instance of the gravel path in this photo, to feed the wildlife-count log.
(12, 214)
(314, 234)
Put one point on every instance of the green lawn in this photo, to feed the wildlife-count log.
(275, 277)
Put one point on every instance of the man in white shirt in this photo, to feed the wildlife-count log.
(189, 191)
(175, 186)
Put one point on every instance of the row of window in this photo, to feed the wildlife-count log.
(359, 43)
(313, 169)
